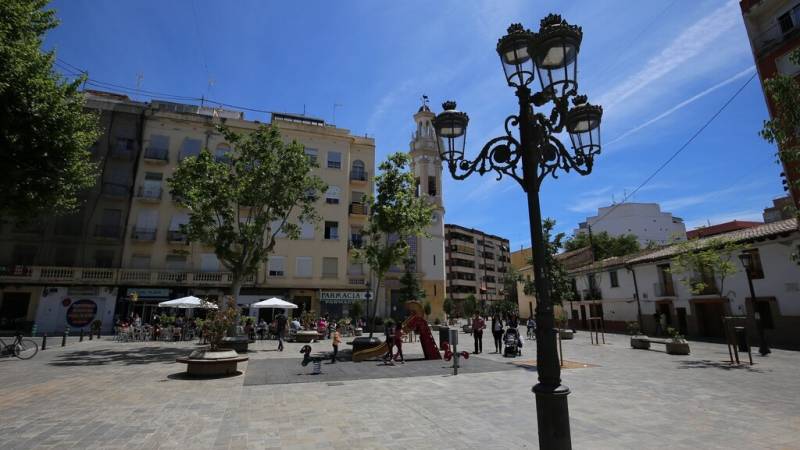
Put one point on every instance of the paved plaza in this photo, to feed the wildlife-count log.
(104, 394)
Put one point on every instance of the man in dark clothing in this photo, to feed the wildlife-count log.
(280, 328)
(477, 332)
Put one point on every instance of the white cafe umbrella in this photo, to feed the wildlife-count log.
(189, 302)
(273, 302)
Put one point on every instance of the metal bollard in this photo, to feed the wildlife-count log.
(64, 339)
(44, 341)
(81, 339)
(90, 335)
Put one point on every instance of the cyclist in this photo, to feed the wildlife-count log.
(531, 328)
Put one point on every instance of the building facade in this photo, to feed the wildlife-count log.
(773, 28)
(132, 241)
(646, 221)
(476, 264)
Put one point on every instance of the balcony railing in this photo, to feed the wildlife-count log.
(177, 237)
(149, 193)
(114, 189)
(662, 289)
(108, 231)
(105, 277)
(358, 175)
(143, 234)
(156, 154)
(358, 209)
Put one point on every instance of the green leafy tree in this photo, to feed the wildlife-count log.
(426, 308)
(510, 280)
(239, 206)
(560, 282)
(409, 284)
(394, 212)
(604, 245)
(356, 310)
(45, 133)
(449, 307)
(704, 265)
(470, 305)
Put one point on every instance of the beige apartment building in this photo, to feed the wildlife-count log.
(140, 222)
(476, 263)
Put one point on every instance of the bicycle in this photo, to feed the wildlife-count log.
(21, 348)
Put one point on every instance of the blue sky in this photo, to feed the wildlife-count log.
(660, 68)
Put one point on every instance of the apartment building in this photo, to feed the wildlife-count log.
(476, 263)
(773, 28)
(138, 220)
(646, 221)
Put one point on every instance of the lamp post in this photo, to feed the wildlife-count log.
(747, 262)
(535, 154)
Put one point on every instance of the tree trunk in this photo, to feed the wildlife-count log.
(236, 287)
(374, 308)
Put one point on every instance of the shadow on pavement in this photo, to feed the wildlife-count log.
(186, 377)
(128, 356)
(724, 365)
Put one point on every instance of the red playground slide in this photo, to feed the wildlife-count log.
(416, 322)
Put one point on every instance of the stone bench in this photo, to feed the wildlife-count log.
(672, 347)
(305, 336)
(208, 364)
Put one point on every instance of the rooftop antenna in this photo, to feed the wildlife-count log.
(335, 105)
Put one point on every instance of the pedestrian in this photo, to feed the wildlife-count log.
(262, 328)
(497, 333)
(531, 328)
(657, 320)
(663, 322)
(478, 325)
(280, 328)
(398, 343)
(387, 331)
(337, 339)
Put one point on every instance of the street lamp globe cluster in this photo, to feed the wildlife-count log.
(528, 152)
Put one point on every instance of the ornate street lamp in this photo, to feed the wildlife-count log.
(747, 262)
(529, 158)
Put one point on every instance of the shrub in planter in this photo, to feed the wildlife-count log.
(638, 341)
(677, 345)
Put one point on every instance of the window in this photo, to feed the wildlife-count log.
(152, 185)
(356, 269)
(104, 258)
(788, 21)
(140, 262)
(332, 230)
(757, 270)
(175, 262)
(303, 267)
(221, 154)
(357, 197)
(209, 262)
(334, 160)
(276, 266)
(124, 147)
(64, 257)
(158, 148)
(416, 186)
(330, 267)
(24, 255)
(434, 259)
(432, 185)
(357, 171)
(312, 153)
(306, 230)
(614, 279)
(191, 147)
(332, 195)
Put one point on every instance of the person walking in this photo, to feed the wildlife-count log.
(337, 339)
(497, 333)
(657, 320)
(389, 333)
(398, 343)
(531, 328)
(478, 325)
(280, 329)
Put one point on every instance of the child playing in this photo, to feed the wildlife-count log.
(398, 342)
(337, 339)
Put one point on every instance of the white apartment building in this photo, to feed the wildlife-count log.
(644, 220)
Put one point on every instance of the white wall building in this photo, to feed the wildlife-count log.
(607, 288)
(644, 220)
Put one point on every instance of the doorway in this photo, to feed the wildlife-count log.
(709, 319)
(584, 323)
(682, 325)
(665, 308)
(14, 309)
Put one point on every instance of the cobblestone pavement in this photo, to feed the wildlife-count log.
(103, 394)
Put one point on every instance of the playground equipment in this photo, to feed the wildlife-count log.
(415, 322)
(316, 361)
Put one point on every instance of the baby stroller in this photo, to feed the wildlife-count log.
(512, 342)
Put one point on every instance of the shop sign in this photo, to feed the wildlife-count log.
(81, 313)
(341, 296)
(149, 292)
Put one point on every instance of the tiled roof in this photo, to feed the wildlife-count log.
(720, 228)
(747, 234)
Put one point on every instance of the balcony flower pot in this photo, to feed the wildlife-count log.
(640, 342)
(678, 347)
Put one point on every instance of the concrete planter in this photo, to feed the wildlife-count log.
(678, 348)
(238, 344)
(205, 363)
(566, 334)
(640, 342)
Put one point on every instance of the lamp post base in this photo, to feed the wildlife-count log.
(553, 417)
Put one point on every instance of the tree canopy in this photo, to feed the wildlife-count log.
(239, 205)
(704, 269)
(45, 133)
(560, 282)
(604, 245)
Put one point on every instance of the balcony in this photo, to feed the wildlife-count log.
(108, 231)
(704, 287)
(115, 190)
(662, 289)
(177, 237)
(149, 193)
(358, 209)
(143, 234)
(358, 176)
(156, 155)
(77, 276)
(356, 280)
